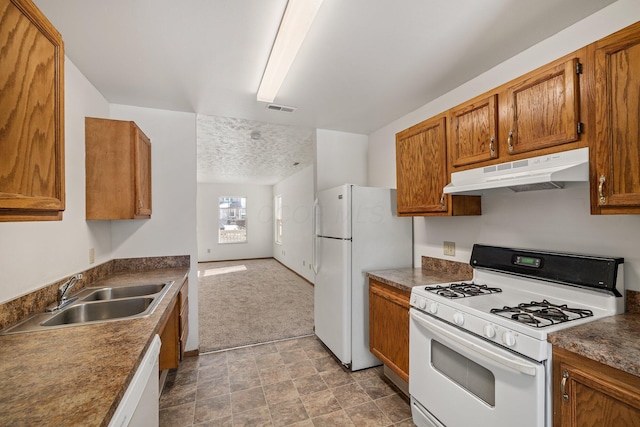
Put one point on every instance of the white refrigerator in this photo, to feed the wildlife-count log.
(356, 229)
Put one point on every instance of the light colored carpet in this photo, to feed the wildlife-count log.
(251, 301)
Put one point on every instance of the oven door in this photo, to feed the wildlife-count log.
(459, 379)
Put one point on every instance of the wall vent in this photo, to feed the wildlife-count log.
(282, 108)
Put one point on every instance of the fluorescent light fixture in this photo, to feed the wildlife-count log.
(297, 19)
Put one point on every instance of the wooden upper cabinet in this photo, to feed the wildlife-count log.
(542, 108)
(32, 119)
(421, 172)
(615, 173)
(473, 131)
(421, 167)
(118, 170)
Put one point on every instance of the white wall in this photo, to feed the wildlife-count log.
(297, 205)
(259, 222)
(551, 219)
(172, 227)
(341, 158)
(34, 254)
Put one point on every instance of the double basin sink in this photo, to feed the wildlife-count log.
(99, 305)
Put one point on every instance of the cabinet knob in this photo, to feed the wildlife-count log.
(601, 182)
(510, 141)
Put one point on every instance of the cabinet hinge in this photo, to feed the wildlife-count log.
(578, 68)
(579, 128)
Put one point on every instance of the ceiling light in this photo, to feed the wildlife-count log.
(297, 18)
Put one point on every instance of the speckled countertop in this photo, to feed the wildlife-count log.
(433, 271)
(77, 375)
(613, 341)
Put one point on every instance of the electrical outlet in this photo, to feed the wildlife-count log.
(449, 248)
(92, 255)
(304, 263)
(208, 250)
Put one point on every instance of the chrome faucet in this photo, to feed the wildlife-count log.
(64, 290)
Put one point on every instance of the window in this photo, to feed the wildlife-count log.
(278, 218)
(233, 220)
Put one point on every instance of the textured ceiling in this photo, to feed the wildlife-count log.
(364, 63)
(227, 152)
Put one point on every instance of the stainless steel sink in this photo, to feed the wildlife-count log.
(104, 310)
(124, 292)
(94, 305)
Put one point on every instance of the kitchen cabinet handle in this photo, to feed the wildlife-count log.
(491, 150)
(140, 203)
(601, 182)
(510, 141)
(442, 200)
(563, 386)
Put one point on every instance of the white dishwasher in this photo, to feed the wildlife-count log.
(140, 403)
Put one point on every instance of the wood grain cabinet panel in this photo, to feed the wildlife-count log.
(32, 119)
(169, 335)
(543, 108)
(474, 131)
(589, 394)
(183, 302)
(118, 170)
(615, 178)
(389, 326)
(421, 173)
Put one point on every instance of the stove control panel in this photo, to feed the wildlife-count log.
(481, 325)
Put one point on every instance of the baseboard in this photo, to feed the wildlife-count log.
(192, 353)
(294, 272)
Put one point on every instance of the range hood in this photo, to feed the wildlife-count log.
(536, 173)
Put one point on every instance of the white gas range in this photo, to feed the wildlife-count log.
(478, 349)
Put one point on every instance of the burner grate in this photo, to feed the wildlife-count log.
(541, 314)
(462, 290)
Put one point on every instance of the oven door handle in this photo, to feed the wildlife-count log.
(519, 366)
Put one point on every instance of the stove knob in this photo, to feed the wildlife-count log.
(489, 331)
(422, 304)
(458, 319)
(433, 308)
(509, 339)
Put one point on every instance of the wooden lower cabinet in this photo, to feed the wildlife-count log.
(173, 333)
(389, 326)
(587, 393)
(183, 303)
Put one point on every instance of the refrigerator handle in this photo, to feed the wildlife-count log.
(314, 263)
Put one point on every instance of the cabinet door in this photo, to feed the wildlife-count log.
(589, 394)
(421, 159)
(389, 327)
(543, 108)
(142, 173)
(473, 132)
(617, 108)
(32, 120)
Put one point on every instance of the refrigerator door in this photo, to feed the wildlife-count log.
(381, 240)
(333, 214)
(332, 294)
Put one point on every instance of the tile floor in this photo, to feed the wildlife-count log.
(287, 383)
